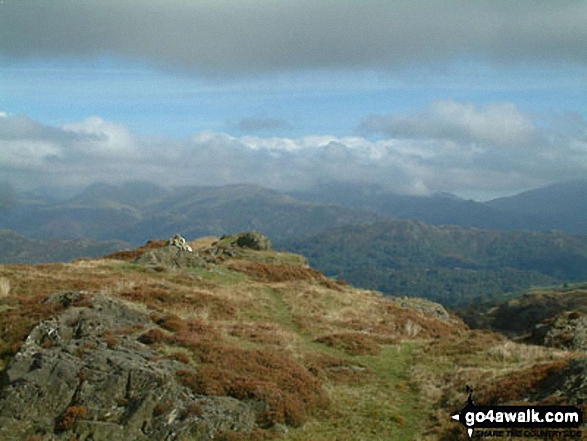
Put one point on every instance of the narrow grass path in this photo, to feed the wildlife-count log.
(282, 313)
(387, 407)
(393, 366)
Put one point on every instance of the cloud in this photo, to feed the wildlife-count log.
(497, 124)
(494, 147)
(234, 37)
(98, 138)
(7, 194)
(425, 152)
(71, 154)
(259, 124)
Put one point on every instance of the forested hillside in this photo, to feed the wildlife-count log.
(452, 265)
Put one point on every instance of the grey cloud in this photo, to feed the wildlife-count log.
(7, 194)
(232, 37)
(259, 124)
(498, 124)
(20, 127)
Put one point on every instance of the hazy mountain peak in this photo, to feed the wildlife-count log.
(132, 193)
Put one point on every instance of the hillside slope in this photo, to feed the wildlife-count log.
(448, 264)
(561, 206)
(520, 315)
(234, 343)
(15, 248)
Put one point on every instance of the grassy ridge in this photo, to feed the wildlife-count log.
(330, 360)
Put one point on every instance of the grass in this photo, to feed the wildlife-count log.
(384, 407)
(218, 275)
(281, 311)
(353, 343)
(394, 365)
(4, 286)
(274, 257)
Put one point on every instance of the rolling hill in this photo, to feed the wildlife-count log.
(519, 316)
(238, 344)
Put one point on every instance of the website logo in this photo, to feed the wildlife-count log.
(513, 421)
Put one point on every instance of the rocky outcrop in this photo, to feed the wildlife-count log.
(252, 239)
(567, 330)
(176, 254)
(426, 306)
(85, 375)
(171, 257)
(179, 242)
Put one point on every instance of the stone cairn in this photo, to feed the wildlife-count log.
(179, 242)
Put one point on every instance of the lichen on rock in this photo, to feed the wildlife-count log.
(85, 374)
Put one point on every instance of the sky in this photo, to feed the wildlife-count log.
(479, 98)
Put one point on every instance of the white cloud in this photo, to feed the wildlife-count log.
(447, 147)
(99, 138)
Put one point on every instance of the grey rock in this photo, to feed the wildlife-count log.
(427, 307)
(86, 358)
(171, 257)
(567, 330)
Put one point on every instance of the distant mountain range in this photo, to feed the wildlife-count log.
(136, 212)
(557, 207)
(562, 206)
(345, 231)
